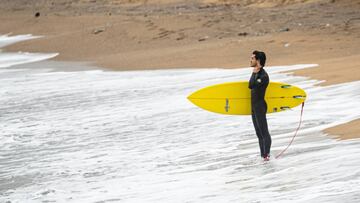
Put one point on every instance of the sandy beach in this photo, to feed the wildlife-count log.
(139, 35)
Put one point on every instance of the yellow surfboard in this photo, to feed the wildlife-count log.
(234, 98)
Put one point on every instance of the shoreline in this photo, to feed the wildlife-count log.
(197, 35)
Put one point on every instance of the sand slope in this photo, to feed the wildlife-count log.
(140, 34)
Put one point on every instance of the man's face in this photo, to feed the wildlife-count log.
(253, 61)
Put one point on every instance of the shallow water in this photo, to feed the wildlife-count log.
(95, 136)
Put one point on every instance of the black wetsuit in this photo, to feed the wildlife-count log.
(258, 84)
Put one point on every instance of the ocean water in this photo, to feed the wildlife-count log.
(102, 136)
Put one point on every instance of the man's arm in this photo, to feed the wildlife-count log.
(257, 80)
(252, 80)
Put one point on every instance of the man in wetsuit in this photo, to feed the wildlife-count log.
(258, 83)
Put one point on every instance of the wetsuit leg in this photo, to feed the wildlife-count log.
(258, 133)
(261, 122)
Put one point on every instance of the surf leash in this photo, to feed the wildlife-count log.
(302, 109)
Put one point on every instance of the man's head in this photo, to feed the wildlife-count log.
(258, 58)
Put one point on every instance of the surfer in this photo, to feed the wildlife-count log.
(258, 83)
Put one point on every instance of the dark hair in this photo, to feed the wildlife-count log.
(259, 55)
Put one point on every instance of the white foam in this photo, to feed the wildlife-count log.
(12, 59)
(6, 40)
(95, 136)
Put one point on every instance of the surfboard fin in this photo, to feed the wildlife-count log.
(286, 86)
(284, 108)
(299, 97)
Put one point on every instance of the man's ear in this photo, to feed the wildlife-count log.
(258, 63)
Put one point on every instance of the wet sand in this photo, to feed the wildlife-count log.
(119, 35)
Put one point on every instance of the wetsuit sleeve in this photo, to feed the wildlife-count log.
(252, 80)
(258, 80)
